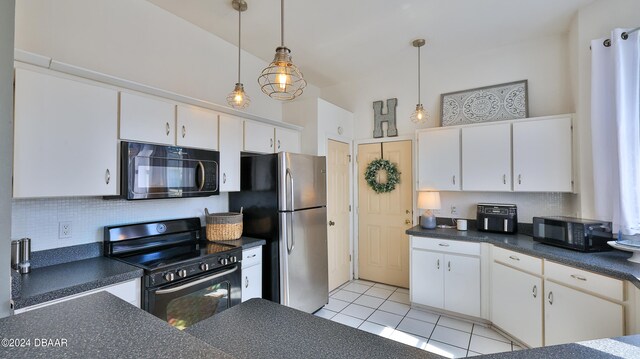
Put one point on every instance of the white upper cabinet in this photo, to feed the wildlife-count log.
(439, 160)
(258, 137)
(287, 140)
(196, 127)
(486, 157)
(230, 135)
(66, 137)
(147, 119)
(542, 155)
(263, 138)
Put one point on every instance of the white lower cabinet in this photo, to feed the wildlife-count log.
(443, 279)
(516, 303)
(128, 291)
(252, 273)
(571, 315)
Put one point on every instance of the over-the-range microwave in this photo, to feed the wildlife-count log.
(150, 171)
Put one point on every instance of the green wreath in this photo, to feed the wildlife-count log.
(393, 176)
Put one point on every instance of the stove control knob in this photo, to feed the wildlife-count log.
(224, 261)
(204, 267)
(233, 259)
(182, 273)
(169, 277)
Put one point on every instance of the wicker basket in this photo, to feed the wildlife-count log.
(223, 226)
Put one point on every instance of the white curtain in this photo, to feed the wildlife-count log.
(615, 128)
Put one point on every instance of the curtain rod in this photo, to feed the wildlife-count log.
(624, 36)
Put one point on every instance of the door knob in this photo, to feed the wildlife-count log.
(408, 212)
(407, 221)
(332, 223)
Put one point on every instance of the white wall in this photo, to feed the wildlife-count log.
(593, 22)
(543, 61)
(6, 148)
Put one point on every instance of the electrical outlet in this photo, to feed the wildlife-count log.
(64, 230)
(454, 210)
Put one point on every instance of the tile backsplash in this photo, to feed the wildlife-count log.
(38, 219)
(529, 204)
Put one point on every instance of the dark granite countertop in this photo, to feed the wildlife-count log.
(621, 347)
(245, 242)
(99, 325)
(261, 329)
(52, 282)
(612, 263)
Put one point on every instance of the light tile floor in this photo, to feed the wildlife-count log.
(385, 310)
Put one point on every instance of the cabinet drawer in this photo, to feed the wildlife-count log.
(251, 257)
(445, 245)
(595, 283)
(518, 260)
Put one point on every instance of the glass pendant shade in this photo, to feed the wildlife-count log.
(238, 99)
(420, 114)
(282, 80)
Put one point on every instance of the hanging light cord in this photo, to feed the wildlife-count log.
(419, 74)
(282, 23)
(239, 39)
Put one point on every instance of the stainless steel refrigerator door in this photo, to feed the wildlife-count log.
(302, 181)
(304, 273)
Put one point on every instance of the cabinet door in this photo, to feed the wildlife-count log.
(258, 137)
(439, 160)
(572, 316)
(462, 284)
(252, 282)
(542, 155)
(230, 132)
(486, 158)
(427, 279)
(197, 127)
(287, 140)
(65, 137)
(516, 303)
(147, 119)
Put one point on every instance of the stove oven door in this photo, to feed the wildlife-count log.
(194, 299)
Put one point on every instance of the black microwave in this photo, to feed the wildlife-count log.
(586, 235)
(150, 171)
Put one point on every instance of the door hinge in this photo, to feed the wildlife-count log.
(349, 257)
(349, 156)
(349, 208)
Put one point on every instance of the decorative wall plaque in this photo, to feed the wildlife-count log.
(491, 103)
(389, 118)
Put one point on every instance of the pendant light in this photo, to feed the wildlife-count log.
(238, 99)
(282, 80)
(420, 114)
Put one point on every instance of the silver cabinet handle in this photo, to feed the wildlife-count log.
(449, 266)
(332, 223)
(168, 128)
(514, 258)
(271, 143)
(454, 180)
(574, 276)
(278, 144)
(519, 179)
(246, 282)
(550, 297)
(107, 176)
(251, 256)
(443, 245)
(438, 264)
(535, 291)
(224, 178)
(504, 179)
(184, 131)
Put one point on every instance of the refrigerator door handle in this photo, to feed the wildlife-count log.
(290, 176)
(290, 234)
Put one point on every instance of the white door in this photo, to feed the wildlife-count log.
(439, 159)
(516, 303)
(251, 282)
(338, 213)
(147, 119)
(197, 127)
(572, 316)
(287, 140)
(486, 157)
(462, 284)
(542, 157)
(258, 137)
(65, 137)
(230, 139)
(427, 278)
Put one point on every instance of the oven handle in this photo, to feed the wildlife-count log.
(202, 173)
(201, 280)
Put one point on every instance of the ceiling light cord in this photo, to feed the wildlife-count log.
(239, 41)
(282, 23)
(418, 74)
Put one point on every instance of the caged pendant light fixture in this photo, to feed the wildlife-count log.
(420, 114)
(238, 99)
(282, 80)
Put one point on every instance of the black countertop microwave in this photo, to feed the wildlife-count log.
(586, 235)
(150, 171)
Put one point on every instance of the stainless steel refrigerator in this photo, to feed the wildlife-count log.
(284, 198)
